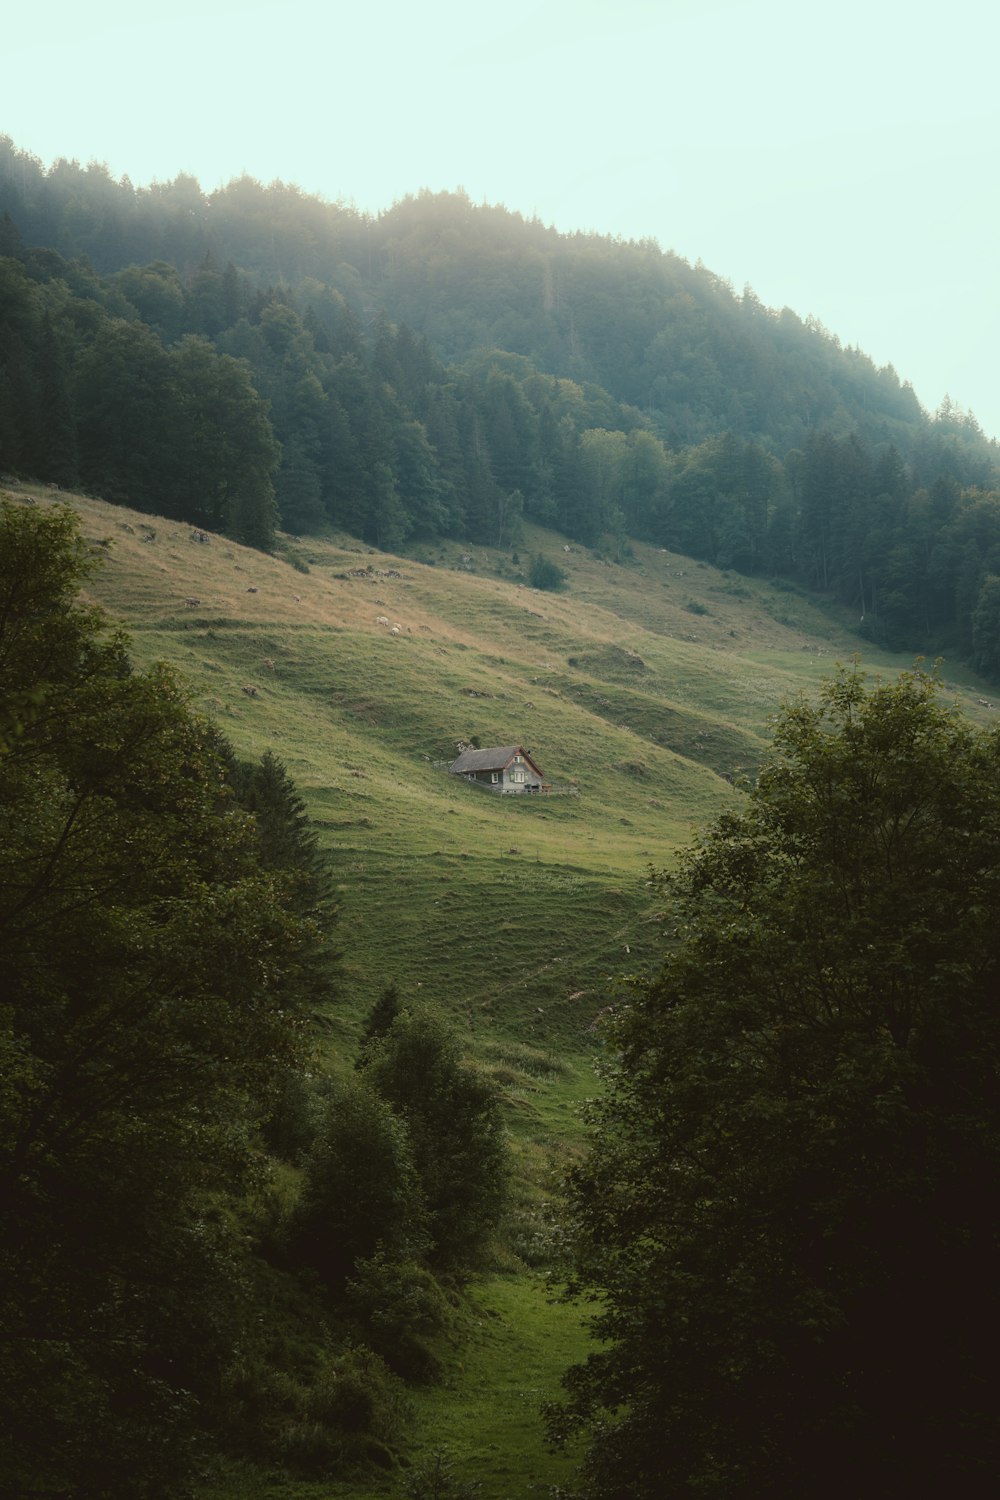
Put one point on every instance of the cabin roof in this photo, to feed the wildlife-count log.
(497, 758)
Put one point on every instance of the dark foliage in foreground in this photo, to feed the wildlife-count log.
(788, 1215)
(164, 934)
(153, 972)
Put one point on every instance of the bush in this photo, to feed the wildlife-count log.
(361, 1192)
(402, 1307)
(545, 574)
(290, 1129)
(435, 1480)
(453, 1115)
(350, 1411)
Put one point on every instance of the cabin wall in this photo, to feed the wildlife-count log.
(507, 779)
(519, 776)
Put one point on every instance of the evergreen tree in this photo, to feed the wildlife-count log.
(55, 457)
(986, 627)
(284, 836)
(298, 489)
(388, 523)
(20, 430)
(156, 292)
(343, 478)
(222, 476)
(205, 301)
(379, 1021)
(130, 428)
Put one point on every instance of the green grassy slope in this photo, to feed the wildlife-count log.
(643, 688)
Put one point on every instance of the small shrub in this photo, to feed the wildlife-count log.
(695, 607)
(545, 574)
(306, 1447)
(533, 1236)
(435, 1479)
(351, 1412)
(526, 1059)
(402, 1308)
(633, 768)
(361, 1190)
(356, 1392)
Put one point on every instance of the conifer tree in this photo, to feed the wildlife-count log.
(56, 456)
(378, 1021)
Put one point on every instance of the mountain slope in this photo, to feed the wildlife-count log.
(643, 689)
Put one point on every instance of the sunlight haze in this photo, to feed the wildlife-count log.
(840, 161)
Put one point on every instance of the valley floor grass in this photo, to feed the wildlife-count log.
(484, 1416)
(488, 1416)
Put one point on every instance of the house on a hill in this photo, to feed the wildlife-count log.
(504, 768)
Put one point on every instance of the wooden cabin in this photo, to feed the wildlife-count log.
(503, 768)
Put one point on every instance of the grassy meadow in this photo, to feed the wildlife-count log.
(643, 689)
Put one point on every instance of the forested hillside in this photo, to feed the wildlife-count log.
(254, 358)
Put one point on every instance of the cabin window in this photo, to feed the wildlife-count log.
(494, 776)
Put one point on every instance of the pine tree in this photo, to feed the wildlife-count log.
(378, 1021)
(56, 459)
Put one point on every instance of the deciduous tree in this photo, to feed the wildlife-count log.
(788, 1216)
(149, 969)
(453, 1117)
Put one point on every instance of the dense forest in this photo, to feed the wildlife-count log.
(256, 358)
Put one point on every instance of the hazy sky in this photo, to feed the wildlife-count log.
(841, 159)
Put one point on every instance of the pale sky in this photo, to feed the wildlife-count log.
(840, 159)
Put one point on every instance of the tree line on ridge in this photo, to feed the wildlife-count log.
(202, 389)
